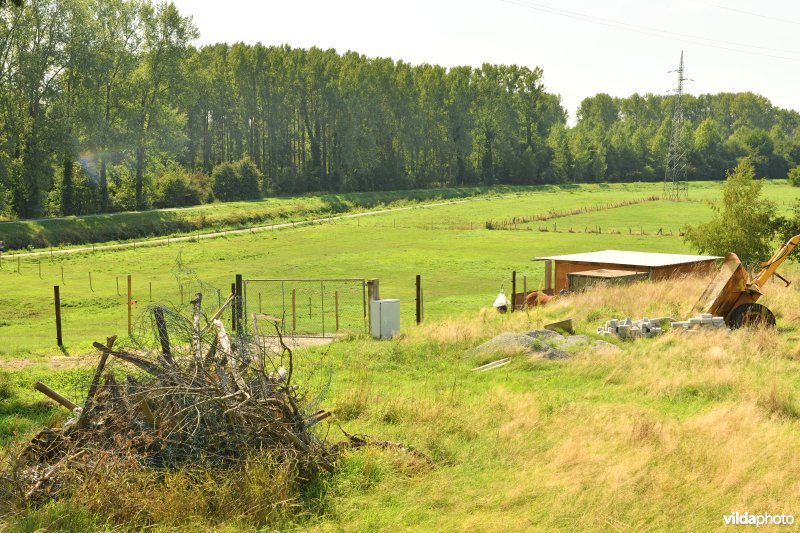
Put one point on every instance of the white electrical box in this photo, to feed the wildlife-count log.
(384, 318)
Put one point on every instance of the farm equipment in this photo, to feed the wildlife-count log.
(733, 293)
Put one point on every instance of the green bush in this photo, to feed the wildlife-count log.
(743, 222)
(121, 188)
(236, 181)
(249, 178)
(794, 176)
(224, 182)
(174, 187)
(201, 182)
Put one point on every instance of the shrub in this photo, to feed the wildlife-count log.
(236, 181)
(174, 188)
(249, 178)
(121, 188)
(794, 176)
(743, 222)
(201, 182)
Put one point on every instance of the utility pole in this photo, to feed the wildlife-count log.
(675, 184)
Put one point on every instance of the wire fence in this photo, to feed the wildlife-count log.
(305, 307)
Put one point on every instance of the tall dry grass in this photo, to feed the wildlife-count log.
(667, 433)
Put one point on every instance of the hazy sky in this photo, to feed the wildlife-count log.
(584, 47)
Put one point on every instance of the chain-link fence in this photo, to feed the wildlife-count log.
(306, 307)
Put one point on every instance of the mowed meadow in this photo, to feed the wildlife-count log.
(664, 434)
(462, 263)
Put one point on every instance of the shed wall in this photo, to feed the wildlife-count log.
(563, 268)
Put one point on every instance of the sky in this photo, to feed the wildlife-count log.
(584, 47)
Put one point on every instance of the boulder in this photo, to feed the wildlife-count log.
(599, 346)
(555, 353)
(572, 340)
(544, 334)
(506, 343)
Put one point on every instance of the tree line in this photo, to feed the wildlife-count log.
(107, 105)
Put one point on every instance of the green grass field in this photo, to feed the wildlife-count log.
(462, 264)
(667, 434)
(129, 226)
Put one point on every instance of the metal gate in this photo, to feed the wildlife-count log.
(307, 307)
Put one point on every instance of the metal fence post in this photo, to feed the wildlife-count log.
(322, 298)
(57, 297)
(419, 299)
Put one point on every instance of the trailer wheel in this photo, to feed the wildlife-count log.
(750, 316)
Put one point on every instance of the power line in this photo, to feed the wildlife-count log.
(653, 32)
(750, 13)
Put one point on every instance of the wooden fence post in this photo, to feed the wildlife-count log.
(57, 297)
(239, 303)
(548, 274)
(513, 290)
(373, 293)
(130, 307)
(233, 307)
(163, 334)
(525, 292)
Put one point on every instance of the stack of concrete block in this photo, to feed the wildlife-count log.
(704, 321)
(631, 329)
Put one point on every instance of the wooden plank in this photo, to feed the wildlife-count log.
(492, 365)
(53, 395)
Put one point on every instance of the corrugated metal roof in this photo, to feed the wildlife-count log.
(622, 257)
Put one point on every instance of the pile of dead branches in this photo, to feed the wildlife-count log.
(197, 397)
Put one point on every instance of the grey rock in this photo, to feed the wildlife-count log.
(543, 334)
(506, 343)
(554, 353)
(605, 346)
(573, 340)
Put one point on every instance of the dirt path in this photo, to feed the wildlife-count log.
(56, 362)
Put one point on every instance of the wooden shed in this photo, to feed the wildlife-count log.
(658, 266)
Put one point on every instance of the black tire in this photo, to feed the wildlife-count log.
(751, 316)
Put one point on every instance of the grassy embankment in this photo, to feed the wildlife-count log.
(120, 227)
